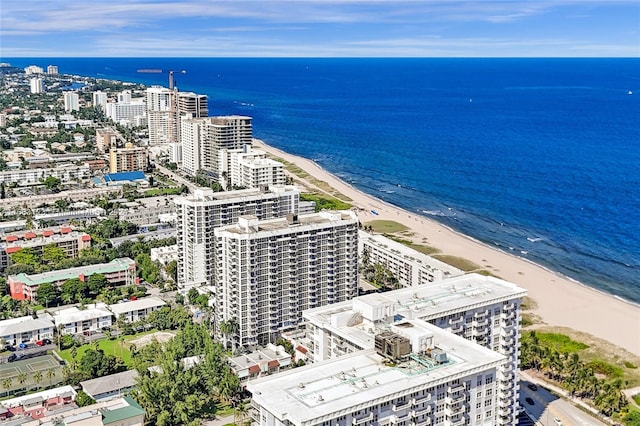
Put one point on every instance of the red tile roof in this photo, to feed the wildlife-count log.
(274, 363)
(10, 250)
(47, 232)
(12, 238)
(65, 230)
(86, 238)
(29, 235)
(254, 369)
(301, 349)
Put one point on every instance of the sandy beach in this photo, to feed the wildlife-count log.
(560, 301)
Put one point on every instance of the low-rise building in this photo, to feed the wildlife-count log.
(109, 387)
(65, 172)
(269, 360)
(128, 159)
(164, 254)
(27, 329)
(93, 318)
(36, 405)
(114, 412)
(145, 211)
(118, 272)
(65, 237)
(418, 374)
(409, 266)
(136, 310)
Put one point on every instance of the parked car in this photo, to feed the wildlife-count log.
(532, 387)
(19, 357)
(12, 357)
(40, 343)
(23, 345)
(9, 348)
(46, 341)
(529, 401)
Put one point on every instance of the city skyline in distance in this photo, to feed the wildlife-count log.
(313, 28)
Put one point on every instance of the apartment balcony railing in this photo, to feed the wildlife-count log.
(362, 419)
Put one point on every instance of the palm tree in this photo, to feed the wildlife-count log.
(37, 377)
(22, 378)
(229, 328)
(6, 384)
(239, 413)
(51, 373)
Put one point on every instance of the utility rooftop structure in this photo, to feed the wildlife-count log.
(439, 375)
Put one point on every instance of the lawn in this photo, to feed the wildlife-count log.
(118, 347)
(458, 262)
(162, 191)
(386, 226)
(428, 250)
(325, 202)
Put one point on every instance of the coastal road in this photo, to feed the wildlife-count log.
(179, 179)
(547, 406)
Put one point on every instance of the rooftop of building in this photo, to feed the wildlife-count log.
(62, 391)
(325, 388)
(110, 383)
(250, 224)
(115, 265)
(25, 324)
(124, 176)
(261, 356)
(357, 319)
(134, 305)
(71, 315)
(208, 195)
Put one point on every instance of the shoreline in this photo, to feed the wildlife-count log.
(561, 301)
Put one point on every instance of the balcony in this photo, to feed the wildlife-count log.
(504, 412)
(425, 422)
(400, 406)
(458, 422)
(416, 412)
(456, 389)
(454, 321)
(420, 399)
(362, 419)
(506, 316)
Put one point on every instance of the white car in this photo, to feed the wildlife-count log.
(557, 421)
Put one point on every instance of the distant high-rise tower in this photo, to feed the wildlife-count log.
(71, 101)
(205, 137)
(100, 100)
(52, 69)
(35, 84)
(192, 103)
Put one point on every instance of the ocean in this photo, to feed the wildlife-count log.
(537, 157)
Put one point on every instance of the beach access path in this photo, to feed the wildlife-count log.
(560, 301)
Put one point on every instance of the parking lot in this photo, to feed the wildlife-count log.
(48, 365)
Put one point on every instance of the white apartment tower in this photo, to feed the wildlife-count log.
(249, 168)
(192, 103)
(483, 310)
(206, 137)
(35, 85)
(417, 375)
(159, 112)
(269, 271)
(199, 213)
(99, 100)
(52, 69)
(71, 101)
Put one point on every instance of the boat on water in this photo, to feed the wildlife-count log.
(149, 70)
(629, 92)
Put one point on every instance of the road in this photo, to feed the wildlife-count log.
(179, 179)
(547, 406)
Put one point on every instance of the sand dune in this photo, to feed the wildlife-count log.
(561, 301)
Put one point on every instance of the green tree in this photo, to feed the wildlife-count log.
(52, 183)
(52, 254)
(22, 378)
(25, 256)
(51, 373)
(82, 399)
(96, 283)
(172, 270)
(47, 293)
(6, 384)
(37, 377)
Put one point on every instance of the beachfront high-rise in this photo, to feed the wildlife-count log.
(165, 107)
(269, 271)
(192, 103)
(417, 375)
(199, 213)
(203, 139)
(99, 100)
(35, 85)
(52, 69)
(483, 310)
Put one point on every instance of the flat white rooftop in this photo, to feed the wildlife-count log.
(303, 394)
(357, 319)
(135, 305)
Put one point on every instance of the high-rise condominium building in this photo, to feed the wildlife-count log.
(99, 100)
(249, 168)
(417, 375)
(35, 85)
(203, 139)
(33, 69)
(483, 310)
(269, 271)
(198, 214)
(52, 69)
(164, 109)
(128, 159)
(192, 103)
(71, 101)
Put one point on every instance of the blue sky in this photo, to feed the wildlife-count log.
(313, 28)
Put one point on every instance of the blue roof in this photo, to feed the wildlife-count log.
(114, 177)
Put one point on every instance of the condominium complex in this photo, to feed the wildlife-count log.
(192, 103)
(417, 375)
(128, 159)
(136, 310)
(126, 113)
(249, 168)
(64, 172)
(69, 240)
(198, 214)
(106, 139)
(14, 331)
(164, 109)
(483, 310)
(203, 138)
(409, 266)
(71, 101)
(33, 69)
(52, 69)
(269, 271)
(118, 272)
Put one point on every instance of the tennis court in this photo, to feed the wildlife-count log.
(34, 372)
